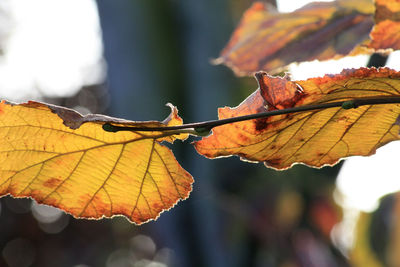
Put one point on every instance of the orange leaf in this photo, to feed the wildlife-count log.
(60, 158)
(316, 138)
(268, 40)
(386, 32)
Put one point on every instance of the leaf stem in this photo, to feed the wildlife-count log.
(202, 128)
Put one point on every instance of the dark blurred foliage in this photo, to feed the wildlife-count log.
(378, 235)
(239, 214)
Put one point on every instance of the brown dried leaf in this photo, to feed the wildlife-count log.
(267, 40)
(386, 32)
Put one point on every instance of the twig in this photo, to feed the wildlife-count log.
(203, 128)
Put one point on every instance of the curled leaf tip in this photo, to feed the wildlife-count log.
(173, 118)
(279, 92)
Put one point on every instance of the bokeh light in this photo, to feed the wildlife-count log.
(45, 213)
(19, 206)
(57, 226)
(19, 252)
(362, 181)
(142, 252)
(47, 52)
(120, 258)
(317, 68)
(289, 5)
(143, 246)
(51, 220)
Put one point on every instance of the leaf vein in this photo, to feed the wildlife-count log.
(169, 174)
(105, 180)
(143, 178)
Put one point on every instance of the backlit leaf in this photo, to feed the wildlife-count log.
(267, 40)
(66, 160)
(386, 32)
(315, 138)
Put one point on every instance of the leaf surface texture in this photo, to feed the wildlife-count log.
(268, 40)
(63, 159)
(386, 32)
(315, 138)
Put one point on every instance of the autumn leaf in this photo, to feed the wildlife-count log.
(66, 160)
(315, 138)
(386, 32)
(267, 40)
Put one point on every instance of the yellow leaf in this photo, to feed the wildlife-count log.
(316, 138)
(63, 159)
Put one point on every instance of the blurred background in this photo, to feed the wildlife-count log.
(128, 59)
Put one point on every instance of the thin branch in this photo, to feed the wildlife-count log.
(202, 128)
